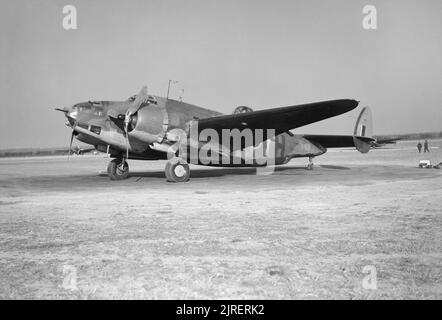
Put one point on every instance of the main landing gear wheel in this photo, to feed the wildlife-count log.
(118, 169)
(177, 170)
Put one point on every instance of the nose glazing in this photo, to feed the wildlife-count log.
(71, 115)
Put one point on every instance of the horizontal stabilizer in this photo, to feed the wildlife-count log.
(336, 141)
(392, 138)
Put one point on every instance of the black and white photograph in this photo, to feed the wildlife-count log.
(220, 150)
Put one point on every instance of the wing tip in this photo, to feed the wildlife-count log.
(354, 102)
(345, 105)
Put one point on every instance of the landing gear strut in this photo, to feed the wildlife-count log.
(177, 170)
(118, 169)
(310, 163)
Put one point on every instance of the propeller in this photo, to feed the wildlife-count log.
(65, 111)
(70, 144)
(62, 110)
(126, 132)
(141, 98)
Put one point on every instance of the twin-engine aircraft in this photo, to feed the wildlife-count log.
(148, 127)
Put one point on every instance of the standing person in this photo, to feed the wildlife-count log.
(426, 149)
(419, 147)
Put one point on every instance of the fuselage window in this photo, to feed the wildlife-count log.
(95, 129)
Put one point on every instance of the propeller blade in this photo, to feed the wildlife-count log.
(141, 98)
(62, 110)
(126, 126)
(70, 144)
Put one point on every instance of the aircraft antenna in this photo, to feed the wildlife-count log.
(168, 87)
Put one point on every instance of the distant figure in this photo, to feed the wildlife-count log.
(426, 149)
(419, 146)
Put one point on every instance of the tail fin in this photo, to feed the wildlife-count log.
(362, 136)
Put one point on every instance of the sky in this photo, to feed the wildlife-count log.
(226, 53)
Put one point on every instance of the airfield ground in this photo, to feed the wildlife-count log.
(69, 232)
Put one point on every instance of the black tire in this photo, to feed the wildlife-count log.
(177, 170)
(118, 169)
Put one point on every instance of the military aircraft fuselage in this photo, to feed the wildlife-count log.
(101, 124)
(148, 127)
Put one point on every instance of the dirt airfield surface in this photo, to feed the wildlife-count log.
(356, 227)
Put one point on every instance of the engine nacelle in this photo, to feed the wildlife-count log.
(147, 124)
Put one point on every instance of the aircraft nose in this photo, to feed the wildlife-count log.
(71, 115)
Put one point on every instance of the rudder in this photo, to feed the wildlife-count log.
(363, 133)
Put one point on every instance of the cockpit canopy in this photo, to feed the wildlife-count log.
(92, 107)
(242, 109)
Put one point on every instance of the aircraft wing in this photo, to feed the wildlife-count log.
(281, 119)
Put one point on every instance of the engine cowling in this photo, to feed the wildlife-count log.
(147, 124)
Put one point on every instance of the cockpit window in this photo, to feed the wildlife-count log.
(83, 107)
(94, 108)
(150, 99)
(132, 98)
(98, 111)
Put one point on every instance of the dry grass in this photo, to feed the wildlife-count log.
(225, 234)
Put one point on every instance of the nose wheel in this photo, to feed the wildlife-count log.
(177, 170)
(118, 169)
